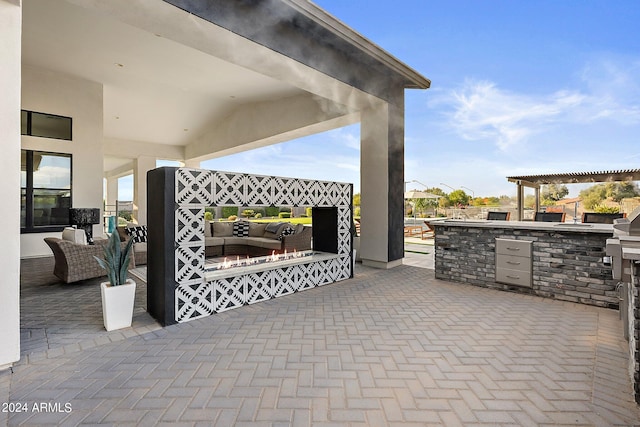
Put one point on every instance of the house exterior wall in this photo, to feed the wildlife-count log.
(10, 52)
(46, 91)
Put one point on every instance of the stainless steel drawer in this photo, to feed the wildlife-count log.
(513, 277)
(514, 247)
(513, 262)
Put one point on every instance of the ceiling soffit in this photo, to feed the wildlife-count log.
(281, 27)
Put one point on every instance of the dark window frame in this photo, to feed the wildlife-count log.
(29, 131)
(29, 226)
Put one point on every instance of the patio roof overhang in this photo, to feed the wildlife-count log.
(535, 181)
(183, 78)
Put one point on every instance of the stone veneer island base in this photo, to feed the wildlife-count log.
(555, 260)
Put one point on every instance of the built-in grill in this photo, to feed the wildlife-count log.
(623, 252)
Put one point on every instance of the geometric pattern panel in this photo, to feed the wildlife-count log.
(259, 190)
(307, 278)
(320, 273)
(308, 193)
(229, 189)
(189, 225)
(286, 280)
(259, 286)
(229, 293)
(344, 197)
(194, 187)
(345, 264)
(344, 231)
(193, 301)
(189, 263)
(285, 192)
(328, 194)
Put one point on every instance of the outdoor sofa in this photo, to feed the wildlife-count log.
(255, 238)
(233, 238)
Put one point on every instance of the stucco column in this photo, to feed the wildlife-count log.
(381, 182)
(141, 166)
(112, 192)
(10, 84)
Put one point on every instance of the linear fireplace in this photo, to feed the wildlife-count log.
(183, 285)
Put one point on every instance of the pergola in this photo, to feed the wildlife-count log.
(535, 181)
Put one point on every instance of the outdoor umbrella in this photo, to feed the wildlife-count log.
(415, 194)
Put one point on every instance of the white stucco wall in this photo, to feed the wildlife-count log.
(10, 53)
(50, 92)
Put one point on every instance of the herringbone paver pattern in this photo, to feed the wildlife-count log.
(387, 348)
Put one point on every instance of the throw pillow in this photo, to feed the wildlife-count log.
(286, 231)
(138, 233)
(241, 229)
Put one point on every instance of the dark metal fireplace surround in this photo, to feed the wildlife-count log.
(179, 287)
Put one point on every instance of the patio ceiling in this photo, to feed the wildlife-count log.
(156, 90)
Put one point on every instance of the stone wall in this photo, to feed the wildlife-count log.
(566, 265)
(633, 296)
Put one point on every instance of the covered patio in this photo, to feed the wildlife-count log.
(389, 347)
(175, 80)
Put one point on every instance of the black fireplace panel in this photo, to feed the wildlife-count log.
(325, 229)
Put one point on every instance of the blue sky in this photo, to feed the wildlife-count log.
(518, 87)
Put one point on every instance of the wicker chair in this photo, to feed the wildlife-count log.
(74, 262)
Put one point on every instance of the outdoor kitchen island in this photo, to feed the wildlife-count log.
(563, 261)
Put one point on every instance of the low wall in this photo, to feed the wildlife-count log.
(567, 265)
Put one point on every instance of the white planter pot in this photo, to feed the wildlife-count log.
(117, 304)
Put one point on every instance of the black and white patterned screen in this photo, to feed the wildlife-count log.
(197, 188)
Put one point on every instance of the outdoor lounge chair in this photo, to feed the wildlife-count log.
(74, 261)
(430, 232)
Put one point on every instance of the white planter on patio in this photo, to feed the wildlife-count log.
(117, 304)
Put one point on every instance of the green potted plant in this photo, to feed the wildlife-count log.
(118, 294)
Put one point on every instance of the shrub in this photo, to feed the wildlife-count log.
(208, 216)
(249, 213)
(285, 209)
(232, 218)
(126, 215)
(356, 211)
(284, 215)
(228, 211)
(271, 211)
(258, 215)
(309, 211)
(607, 209)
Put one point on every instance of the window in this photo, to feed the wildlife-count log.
(45, 125)
(45, 181)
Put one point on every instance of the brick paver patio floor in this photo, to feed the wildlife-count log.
(394, 347)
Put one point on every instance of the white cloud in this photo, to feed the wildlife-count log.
(480, 110)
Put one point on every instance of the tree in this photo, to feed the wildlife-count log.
(617, 191)
(593, 196)
(551, 193)
(356, 199)
(459, 197)
(622, 190)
